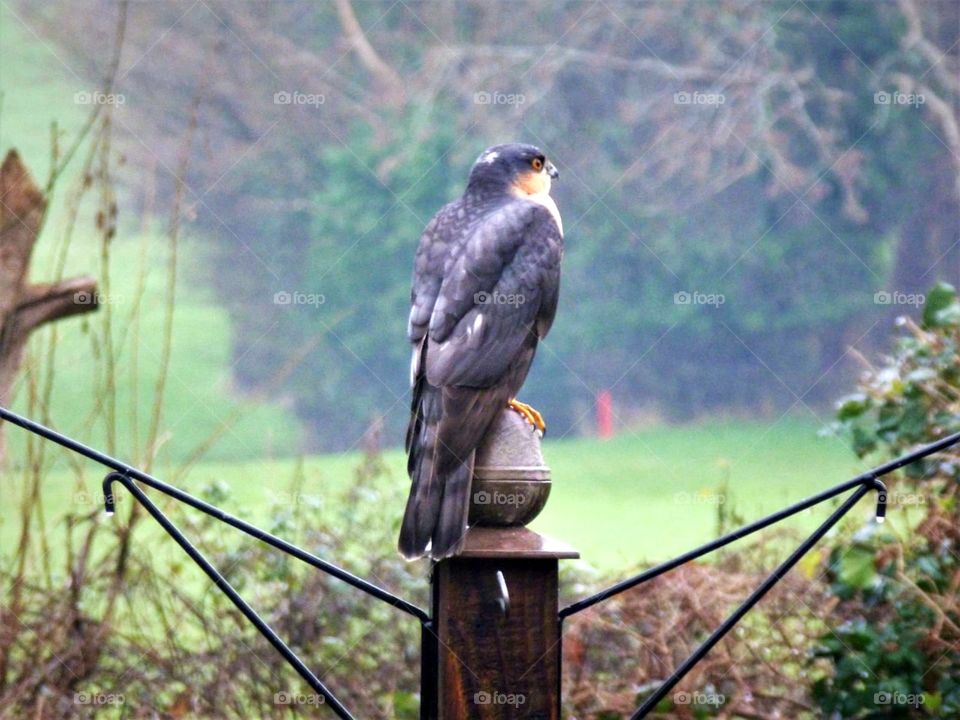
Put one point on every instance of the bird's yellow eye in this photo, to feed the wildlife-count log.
(537, 164)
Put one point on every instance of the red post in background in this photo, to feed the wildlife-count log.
(605, 414)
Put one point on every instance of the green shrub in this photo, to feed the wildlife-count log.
(896, 649)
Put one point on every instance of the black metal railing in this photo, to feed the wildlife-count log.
(130, 478)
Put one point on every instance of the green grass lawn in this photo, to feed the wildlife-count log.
(648, 496)
(641, 497)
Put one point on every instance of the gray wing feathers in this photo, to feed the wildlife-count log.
(428, 264)
(503, 287)
(489, 249)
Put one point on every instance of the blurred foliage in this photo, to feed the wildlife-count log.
(359, 260)
(142, 633)
(896, 652)
(797, 199)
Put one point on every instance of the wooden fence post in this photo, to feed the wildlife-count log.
(495, 618)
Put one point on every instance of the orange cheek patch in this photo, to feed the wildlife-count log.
(532, 183)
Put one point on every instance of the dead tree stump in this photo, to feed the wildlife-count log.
(24, 306)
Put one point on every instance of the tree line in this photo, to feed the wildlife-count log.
(749, 189)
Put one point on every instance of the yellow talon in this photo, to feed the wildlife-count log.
(529, 414)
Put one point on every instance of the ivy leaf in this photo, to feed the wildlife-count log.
(852, 406)
(942, 296)
(857, 568)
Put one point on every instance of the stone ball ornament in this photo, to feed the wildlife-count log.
(511, 481)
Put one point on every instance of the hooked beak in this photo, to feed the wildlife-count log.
(552, 171)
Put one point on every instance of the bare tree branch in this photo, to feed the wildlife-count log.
(390, 82)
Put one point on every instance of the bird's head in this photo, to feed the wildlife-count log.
(515, 167)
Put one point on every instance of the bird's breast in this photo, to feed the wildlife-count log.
(546, 201)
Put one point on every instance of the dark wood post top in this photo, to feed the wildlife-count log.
(514, 542)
